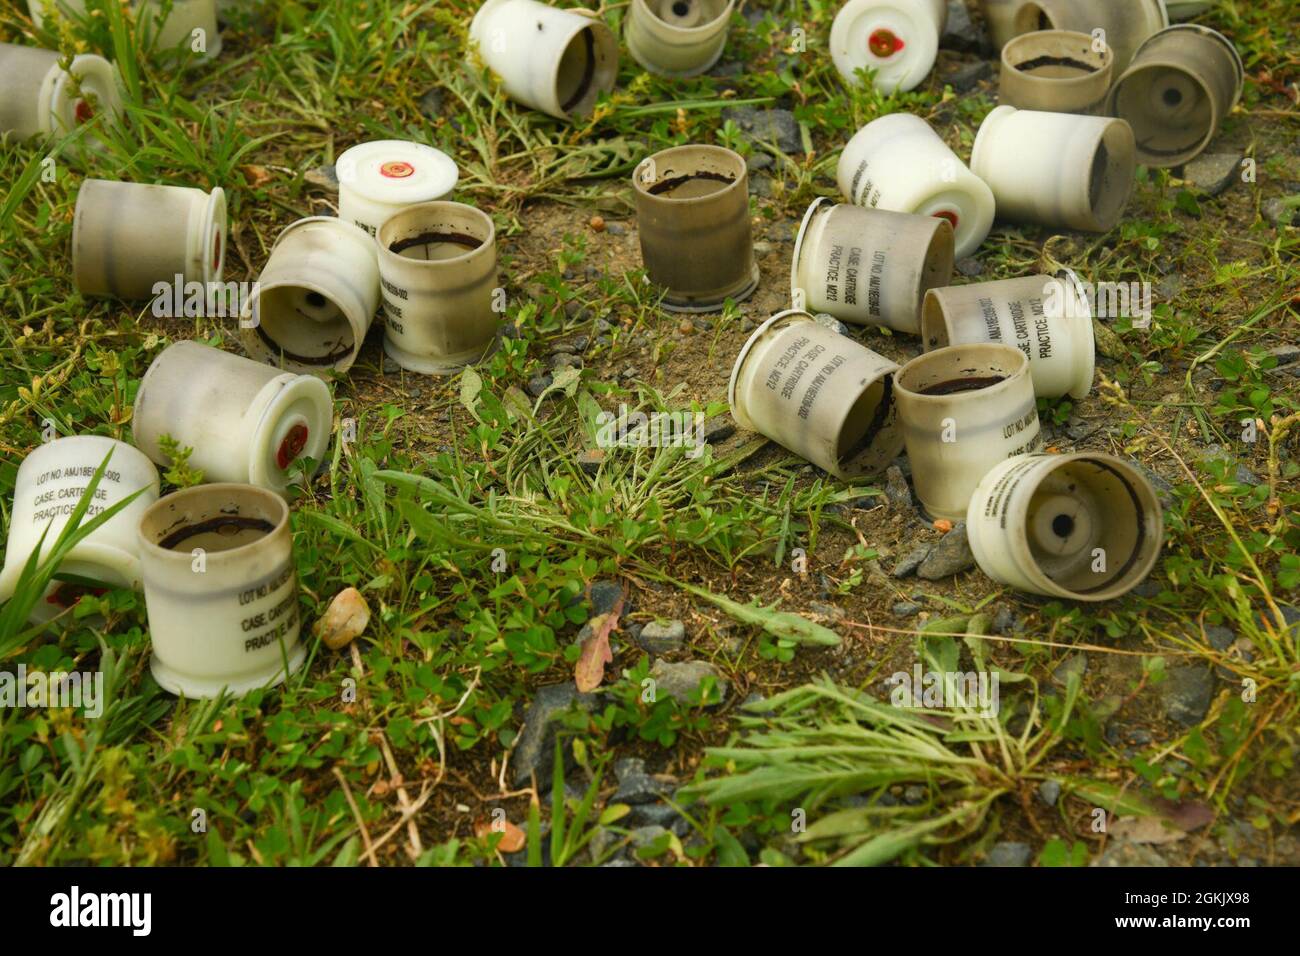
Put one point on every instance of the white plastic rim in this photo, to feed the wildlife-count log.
(869, 266)
(1181, 84)
(314, 301)
(899, 163)
(963, 409)
(185, 17)
(1061, 71)
(554, 61)
(677, 38)
(1046, 317)
(129, 237)
(245, 421)
(819, 394)
(438, 268)
(1056, 169)
(899, 39)
(1123, 24)
(50, 482)
(221, 590)
(382, 177)
(1086, 527)
(40, 99)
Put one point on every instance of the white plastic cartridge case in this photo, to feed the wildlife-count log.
(1121, 25)
(1046, 317)
(1086, 527)
(438, 267)
(1057, 71)
(677, 37)
(869, 266)
(50, 482)
(129, 237)
(177, 27)
(39, 98)
(1181, 84)
(381, 178)
(315, 299)
(221, 590)
(1056, 169)
(963, 409)
(898, 39)
(818, 393)
(245, 421)
(899, 163)
(551, 60)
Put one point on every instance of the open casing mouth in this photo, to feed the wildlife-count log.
(315, 299)
(1046, 317)
(220, 589)
(1058, 71)
(438, 266)
(899, 163)
(1086, 526)
(963, 409)
(1182, 83)
(555, 61)
(817, 393)
(49, 483)
(1056, 169)
(869, 266)
(1123, 25)
(693, 219)
(677, 38)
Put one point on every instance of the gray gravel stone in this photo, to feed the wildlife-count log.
(1009, 853)
(950, 556)
(960, 32)
(1127, 854)
(1212, 173)
(906, 609)
(897, 492)
(605, 596)
(535, 747)
(1220, 638)
(767, 126)
(1186, 693)
(908, 563)
(832, 323)
(679, 681)
(718, 429)
(1049, 791)
(538, 384)
(662, 637)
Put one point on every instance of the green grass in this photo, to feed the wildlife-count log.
(370, 755)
